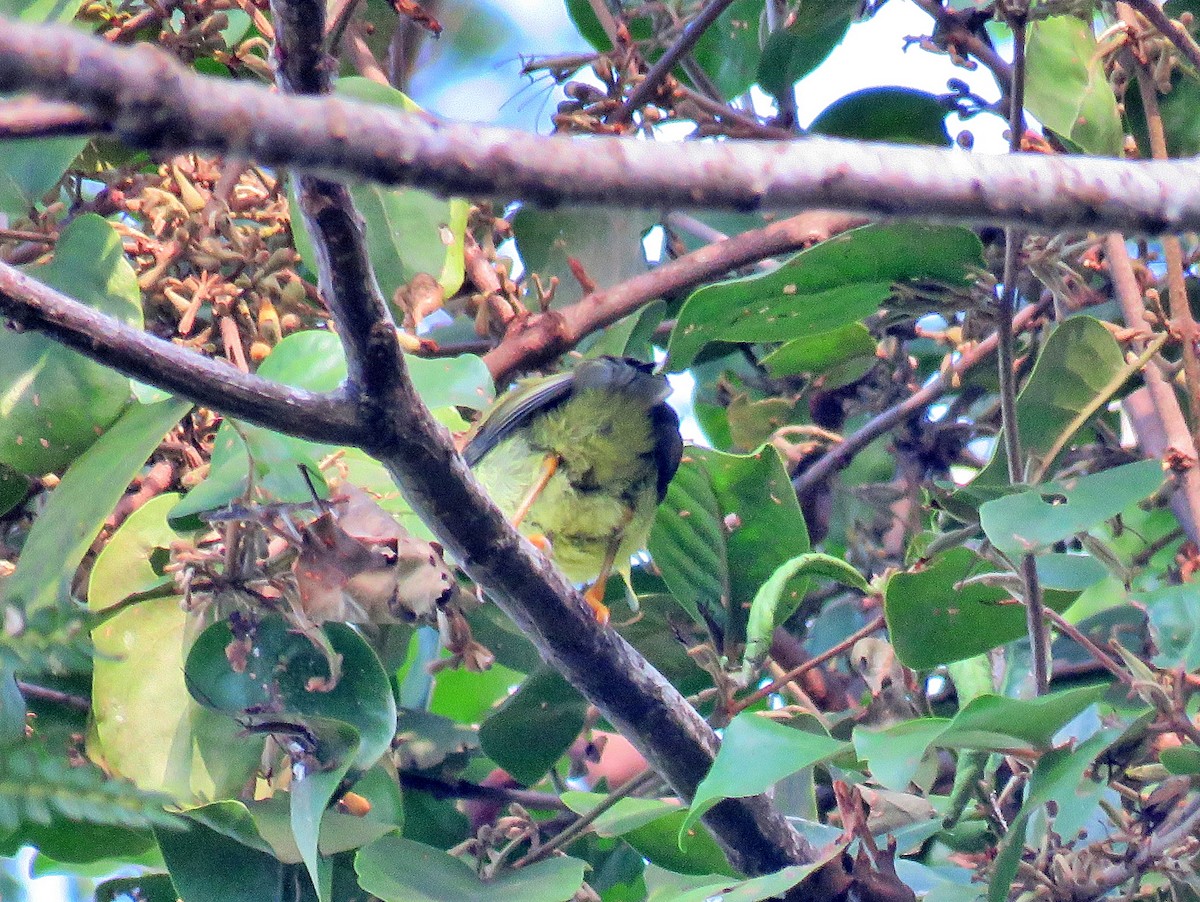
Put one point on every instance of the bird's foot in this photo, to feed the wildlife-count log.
(541, 542)
(594, 596)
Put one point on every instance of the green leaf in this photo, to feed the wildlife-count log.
(146, 726)
(1066, 88)
(408, 231)
(279, 666)
(1027, 522)
(425, 740)
(829, 286)
(652, 828)
(821, 352)
(755, 754)
(665, 886)
(606, 243)
(54, 402)
(728, 51)
(1058, 777)
(31, 167)
(399, 870)
(895, 115)
(12, 709)
(727, 523)
(895, 754)
(1181, 126)
(1184, 760)
(311, 791)
(78, 507)
(245, 874)
(932, 620)
(1079, 368)
(789, 54)
(41, 11)
(1175, 626)
(999, 723)
(779, 597)
(534, 726)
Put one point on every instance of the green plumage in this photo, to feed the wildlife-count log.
(617, 444)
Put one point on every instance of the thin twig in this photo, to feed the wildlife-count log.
(1039, 642)
(543, 337)
(1182, 321)
(28, 117)
(1174, 428)
(796, 672)
(843, 452)
(1172, 31)
(465, 789)
(683, 44)
(379, 143)
(577, 828)
(57, 696)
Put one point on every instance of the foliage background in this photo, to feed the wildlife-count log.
(924, 758)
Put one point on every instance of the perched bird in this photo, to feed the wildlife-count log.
(581, 460)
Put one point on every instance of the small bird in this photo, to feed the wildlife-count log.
(580, 461)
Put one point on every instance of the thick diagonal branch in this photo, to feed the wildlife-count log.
(419, 454)
(154, 103)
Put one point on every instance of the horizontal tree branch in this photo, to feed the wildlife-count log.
(189, 374)
(155, 103)
(544, 336)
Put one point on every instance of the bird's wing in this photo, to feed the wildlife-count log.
(668, 445)
(515, 411)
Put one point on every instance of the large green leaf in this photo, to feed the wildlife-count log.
(816, 27)
(1079, 368)
(779, 597)
(605, 243)
(78, 507)
(534, 727)
(245, 874)
(146, 726)
(399, 870)
(1030, 521)
(727, 523)
(755, 754)
(408, 231)
(652, 827)
(933, 620)
(1066, 88)
(895, 115)
(826, 287)
(729, 49)
(276, 678)
(817, 353)
(53, 401)
(312, 789)
(895, 754)
(29, 168)
(996, 722)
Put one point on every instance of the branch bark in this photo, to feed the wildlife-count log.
(156, 104)
(319, 417)
(544, 336)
